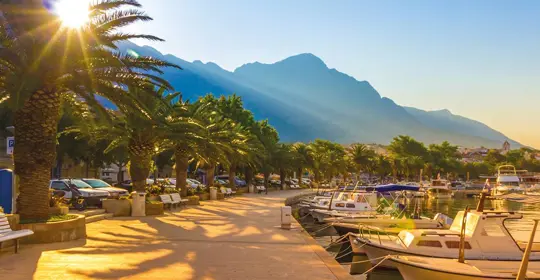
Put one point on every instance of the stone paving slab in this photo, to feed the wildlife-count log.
(238, 238)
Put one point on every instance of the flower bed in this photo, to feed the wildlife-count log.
(61, 228)
(193, 200)
(117, 207)
(154, 208)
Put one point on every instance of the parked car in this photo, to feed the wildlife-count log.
(239, 182)
(126, 185)
(195, 183)
(104, 186)
(74, 187)
(306, 181)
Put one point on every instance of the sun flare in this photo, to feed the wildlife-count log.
(72, 13)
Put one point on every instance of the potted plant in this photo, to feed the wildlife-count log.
(120, 207)
(202, 193)
(153, 208)
(153, 192)
(56, 204)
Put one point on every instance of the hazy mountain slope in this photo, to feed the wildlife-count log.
(445, 120)
(194, 81)
(304, 100)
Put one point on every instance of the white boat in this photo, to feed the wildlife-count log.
(439, 189)
(363, 203)
(507, 181)
(425, 268)
(486, 238)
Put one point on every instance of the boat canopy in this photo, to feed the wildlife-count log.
(392, 188)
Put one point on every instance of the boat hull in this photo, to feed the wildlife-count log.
(409, 272)
(426, 269)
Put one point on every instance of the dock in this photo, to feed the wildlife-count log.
(235, 238)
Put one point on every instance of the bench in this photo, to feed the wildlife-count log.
(176, 198)
(230, 192)
(7, 234)
(260, 189)
(166, 199)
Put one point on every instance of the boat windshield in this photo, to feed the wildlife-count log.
(515, 184)
(472, 220)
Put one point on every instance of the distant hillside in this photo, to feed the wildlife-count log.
(304, 100)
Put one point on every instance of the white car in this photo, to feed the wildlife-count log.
(92, 197)
(104, 186)
(306, 181)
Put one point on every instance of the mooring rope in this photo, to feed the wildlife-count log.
(375, 266)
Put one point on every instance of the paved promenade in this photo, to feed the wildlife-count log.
(238, 238)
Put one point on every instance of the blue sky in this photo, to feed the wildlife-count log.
(479, 59)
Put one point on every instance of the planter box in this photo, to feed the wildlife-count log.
(60, 210)
(204, 196)
(220, 196)
(117, 207)
(153, 198)
(193, 200)
(62, 231)
(153, 209)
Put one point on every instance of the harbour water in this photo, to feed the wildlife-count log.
(520, 229)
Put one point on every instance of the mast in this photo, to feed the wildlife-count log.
(525, 261)
(461, 256)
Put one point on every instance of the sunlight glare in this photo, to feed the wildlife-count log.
(73, 13)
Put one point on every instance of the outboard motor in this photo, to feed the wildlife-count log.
(443, 220)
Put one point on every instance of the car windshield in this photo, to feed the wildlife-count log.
(80, 184)
(94, 183)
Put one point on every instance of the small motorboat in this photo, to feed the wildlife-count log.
(426, 268)
(485, 238)
(507, 181)
(439, 189)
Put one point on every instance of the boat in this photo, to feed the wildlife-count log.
(439, 189)
(363, 203)
(507, 181)
(486, 238)
(425, 268)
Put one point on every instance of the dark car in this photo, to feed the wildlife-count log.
(126, 185)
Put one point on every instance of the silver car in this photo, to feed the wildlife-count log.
(104, 186)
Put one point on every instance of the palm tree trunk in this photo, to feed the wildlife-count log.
(181, 166)
(232, 176)
(36, 127)
(281, 178)
(141, 164)
(299, 175)
(210, 171)
(249, 176)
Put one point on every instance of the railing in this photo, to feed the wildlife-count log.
(367, 231)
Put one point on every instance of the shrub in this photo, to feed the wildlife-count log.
(55, 200)
(1, 209)
(169, 190)
(153, 190)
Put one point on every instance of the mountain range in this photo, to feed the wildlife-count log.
(304, 99)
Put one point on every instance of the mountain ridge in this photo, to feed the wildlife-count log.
(304, 100)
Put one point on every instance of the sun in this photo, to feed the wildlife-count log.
(72, 13)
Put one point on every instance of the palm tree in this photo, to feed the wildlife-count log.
(302, 158)
(362, 156)
(139, 131)
(42, 62)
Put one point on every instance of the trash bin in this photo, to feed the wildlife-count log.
(213, 193)
(138, 205)
(251, 188)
